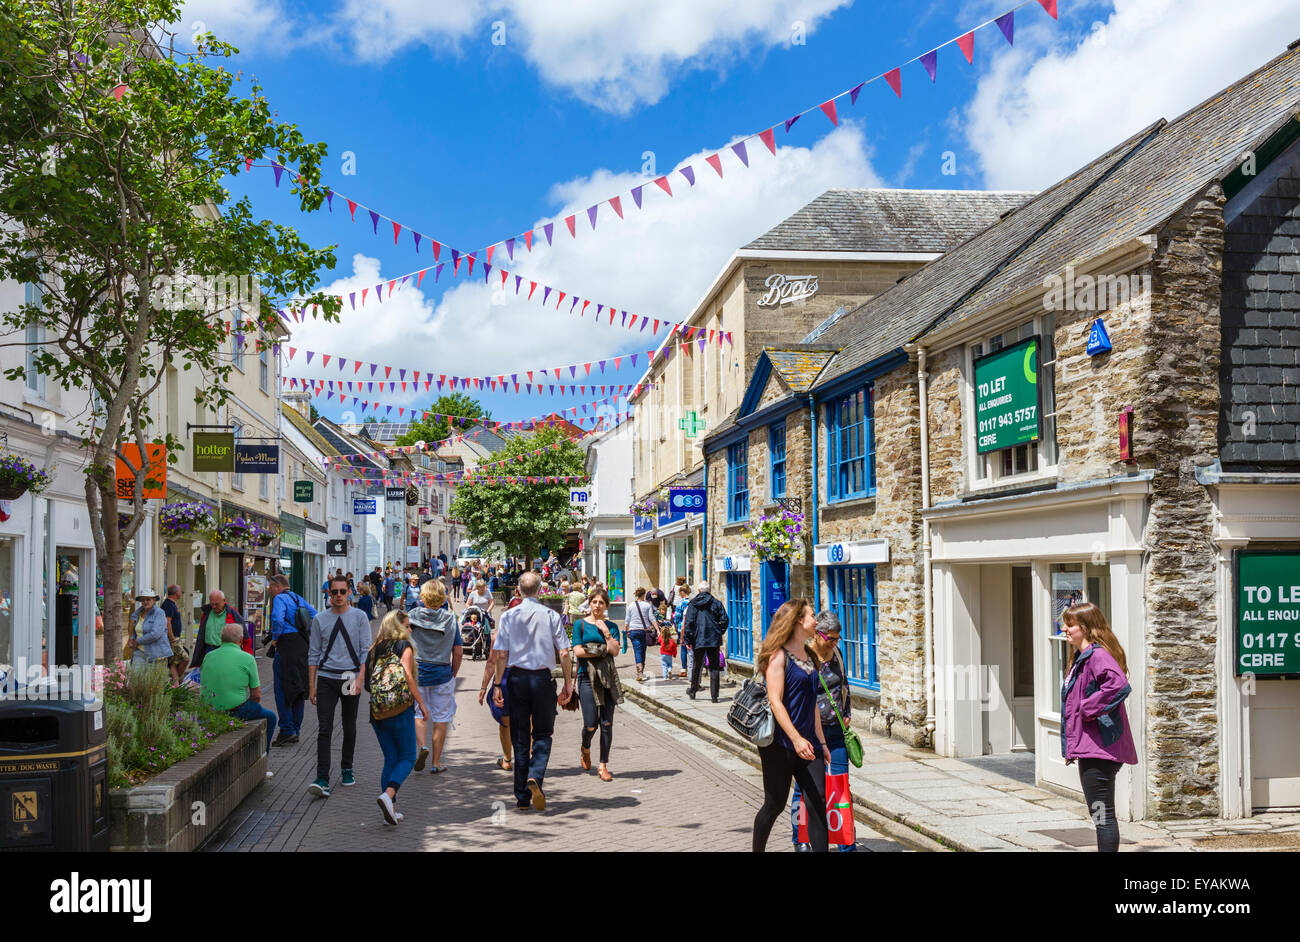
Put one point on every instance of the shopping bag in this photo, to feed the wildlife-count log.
(839, 813)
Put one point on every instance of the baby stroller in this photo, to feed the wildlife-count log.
(476, 632)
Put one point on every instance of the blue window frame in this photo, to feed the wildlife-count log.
(776, 447)
(740, 615)
(738, 482)
(850, 446)
(852, 591)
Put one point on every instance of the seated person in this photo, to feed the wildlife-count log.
(230, 682)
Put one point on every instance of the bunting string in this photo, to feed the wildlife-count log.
(329, 387)
(581, 410)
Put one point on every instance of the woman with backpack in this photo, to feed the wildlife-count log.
(394, 694)
(798, 750)
(1094, 724)
(641, 621)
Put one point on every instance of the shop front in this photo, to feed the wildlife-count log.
(314, 541)
(293, 555)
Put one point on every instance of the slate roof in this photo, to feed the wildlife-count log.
(798, 365)
(1131, 190)
(885, 220)
(304, 426)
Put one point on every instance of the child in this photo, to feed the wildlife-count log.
(667, 641)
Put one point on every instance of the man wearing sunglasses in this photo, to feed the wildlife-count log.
(340, 636)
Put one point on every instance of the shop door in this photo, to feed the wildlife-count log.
(1274, 745)
(68, 628)
(774, 579)
(298, 574)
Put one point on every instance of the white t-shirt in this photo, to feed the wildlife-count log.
(641, 616)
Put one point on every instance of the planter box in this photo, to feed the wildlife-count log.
(555, 605)
(161, 814)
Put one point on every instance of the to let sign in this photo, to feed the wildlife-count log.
(155, 480)
(1006, 397)
(214, 451)
(1268, 614)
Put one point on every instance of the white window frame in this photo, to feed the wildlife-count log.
(264, 370)
(984, 471)
(237, 477)
(237, 348)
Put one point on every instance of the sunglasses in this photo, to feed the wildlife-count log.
(826, 637)
(338, 591)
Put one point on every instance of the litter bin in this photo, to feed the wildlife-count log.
(53, 774)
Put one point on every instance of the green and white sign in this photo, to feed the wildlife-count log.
(304, 491)
(1268, 614)
(1006, 397)
(214, 451)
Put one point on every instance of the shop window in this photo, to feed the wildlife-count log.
(852, 596)
(237, 343)
(6, 605)
(264, 371)
(740, 616)
(614, 571)
(850, 446)
(1071, 583)
(1031, 458)
(738, 482)
(237, 477)
(776, 447)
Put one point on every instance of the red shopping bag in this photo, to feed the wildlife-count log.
(839, 813)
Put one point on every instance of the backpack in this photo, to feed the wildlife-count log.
(302, 617)
(390, 693)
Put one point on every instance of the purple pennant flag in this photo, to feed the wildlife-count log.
(529, 388)
(931, 62)
(379, 293)
(741, 152)
(546, 294)
(329, 199)
(573, 371)
(602, 366)
(552, 389)
(438, 271)
(591, 214)
(574, 304)
(401, 374)
(703, 341)
(853, 94)
(277, 170)
(1007, 23)
(518, 280)
(789, 122)
(486, 270)
(280, 311)
(549, 229)
(405, 279)
(373, 367)
(689, 173)
(636, 196)
(455, 259)
(623, 321)
(374, 220)
(352, 297)
(644, 320)
(599, 307)
(510, 248)
(514, 378)
(417, 241)
(388, 411)
(310, 354)
(341, 362)
(634, 356)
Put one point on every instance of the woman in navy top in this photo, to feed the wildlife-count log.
(595, 629)
(798, 749)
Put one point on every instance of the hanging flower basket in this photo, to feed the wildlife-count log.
(650, 506)
(776, 536)
(235, 531)
(18, 476)
(262, 536)
(183, 518)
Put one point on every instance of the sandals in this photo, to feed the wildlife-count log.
(604, 774)
(585, 760)
(504, 764)
(435, 769)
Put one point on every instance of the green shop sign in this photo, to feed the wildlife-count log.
(214, 451)
(304, 491)
(1268, 614)
(1006, 397)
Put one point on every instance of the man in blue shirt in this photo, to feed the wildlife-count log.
(289, 669)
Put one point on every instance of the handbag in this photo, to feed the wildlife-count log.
(750, 714)
(852, 744)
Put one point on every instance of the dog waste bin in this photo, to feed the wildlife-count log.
(53, 773)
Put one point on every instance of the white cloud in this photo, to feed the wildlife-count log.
(658, 261)
(250, 25)
(1043, 110)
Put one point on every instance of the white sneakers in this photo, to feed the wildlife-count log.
(386, 806)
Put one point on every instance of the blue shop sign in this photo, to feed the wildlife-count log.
(363, 505)
(347, 528)
(642, 525)
(686, 499)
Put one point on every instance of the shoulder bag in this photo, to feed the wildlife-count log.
(751, 714)
(852, 744)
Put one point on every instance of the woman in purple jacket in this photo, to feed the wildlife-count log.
(1094, 726)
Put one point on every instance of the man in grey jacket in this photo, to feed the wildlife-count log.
(340, 637)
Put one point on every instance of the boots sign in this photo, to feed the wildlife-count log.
(787, 289)
(1268, 614)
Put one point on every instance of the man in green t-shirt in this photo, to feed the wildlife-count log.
(230, 682)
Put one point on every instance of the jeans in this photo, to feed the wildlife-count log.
(249, 711)
(687, 658)
(637, 637)
(839, 766)
(532, 701)
(666, 661)
(290, 716)
(715, 672)
(328, 694)
(780, 765)
(396, 737)
(594, 716)
(1098, 779)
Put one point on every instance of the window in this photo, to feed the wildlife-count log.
(263, 486)
(738, 482)
(851, 446)
(236, 342)
(776, 448)
(1032, 457)
(740, 609)
(264, 371)
(852, 591)
(1070, 583)
(237, 478)
(35, 337)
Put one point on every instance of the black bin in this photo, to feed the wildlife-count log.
(53, 774)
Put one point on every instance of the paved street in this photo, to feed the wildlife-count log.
(671, 791)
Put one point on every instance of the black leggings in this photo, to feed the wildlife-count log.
(593, 715)
(780, 765)
(1098, 778)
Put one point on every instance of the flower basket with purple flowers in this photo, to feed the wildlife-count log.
(778, 535)
(234, 531)
(183, 518)
(18, 476)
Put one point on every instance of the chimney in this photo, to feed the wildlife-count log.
(299, 401)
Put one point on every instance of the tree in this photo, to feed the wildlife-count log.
(522, 516)
(454, 404)
(113, 148)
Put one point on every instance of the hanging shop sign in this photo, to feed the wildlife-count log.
(857, 553)
(1006, 397)
(290, 540)
(787, 289)
(304, 492)
(155, 480)
(734, 564)
(579, 496)
(395, 494)
(257, 459)
(347, 528)
(363, 505)
(1268, 614)
(336, 547)
(686, 499)
(213, 451)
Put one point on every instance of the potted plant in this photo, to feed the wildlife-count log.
(776, 536)
(182, 518)
(18, 476)
(234, 531)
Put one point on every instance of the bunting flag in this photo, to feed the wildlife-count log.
(342, 390)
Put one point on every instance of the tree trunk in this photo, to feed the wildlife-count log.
(110, 567)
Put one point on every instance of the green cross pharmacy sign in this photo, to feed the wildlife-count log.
(691, 425)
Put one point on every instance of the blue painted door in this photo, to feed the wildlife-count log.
(774, 576)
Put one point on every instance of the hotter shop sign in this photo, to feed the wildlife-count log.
(1268, 614)
(1006, 397)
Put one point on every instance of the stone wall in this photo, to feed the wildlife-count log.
(943, 402)
(892, 514)
(1177, 424)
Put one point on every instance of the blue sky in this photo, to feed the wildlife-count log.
(469, 141)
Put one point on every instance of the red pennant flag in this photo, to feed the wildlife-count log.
(663, 185)
(363, 295)
(437, 247)
(557, 303)
(490, 249)
(390, 288)
(420, 276)
(1050, 7)
(615, 202)
(568, 221)
(357, 369)
(388, 371)
(769, 138)
(716, 163)
(828, 109)
(532, 286)
(397, 229)
(292, 351)
(325, 360)
(471, 265)
(528, 239)
(895, 79)
(504, 274)
(587, 366)
(967, 45)
(352, 208)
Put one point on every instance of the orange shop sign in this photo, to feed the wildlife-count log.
(155, 482)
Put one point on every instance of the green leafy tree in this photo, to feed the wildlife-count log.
(458, 404)
(522, 516)
(114, 144)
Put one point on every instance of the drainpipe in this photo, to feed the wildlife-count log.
(927, 601)
(816, 513)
